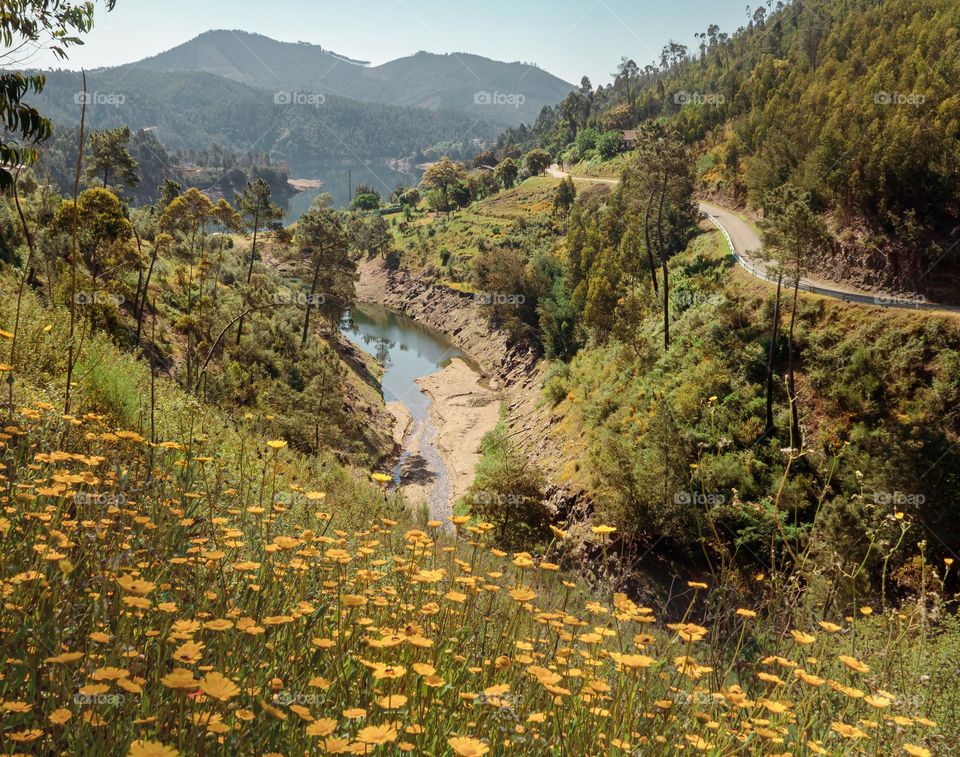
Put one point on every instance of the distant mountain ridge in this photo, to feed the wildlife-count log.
(195, 110)
(508, 93)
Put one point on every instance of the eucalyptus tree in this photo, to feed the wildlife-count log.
(26, 25)
(257, 212)
(110, 158)
(104, 238)
(663, 180)
(794, 234)
(189, 214)
(323, 259)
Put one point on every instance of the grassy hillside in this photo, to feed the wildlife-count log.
(215, 592)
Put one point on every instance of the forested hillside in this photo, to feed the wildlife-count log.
(855, 101)
(216, 170)
(196, 110)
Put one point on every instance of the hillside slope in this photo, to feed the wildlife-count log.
(855, 101)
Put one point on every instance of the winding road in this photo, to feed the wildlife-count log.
(745, 243)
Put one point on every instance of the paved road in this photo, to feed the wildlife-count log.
(745, 244)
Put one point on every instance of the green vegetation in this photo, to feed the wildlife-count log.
(855, 103)
(189, 566)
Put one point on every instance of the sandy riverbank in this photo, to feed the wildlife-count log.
(462, 413)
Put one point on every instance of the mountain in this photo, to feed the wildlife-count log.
(196, 110)
(490, 90)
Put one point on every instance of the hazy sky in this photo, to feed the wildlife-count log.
(567, 37)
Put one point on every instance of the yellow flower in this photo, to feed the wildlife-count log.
(60, 716)
(66, 657)
(136, 586)
(381, 478)
(24, 737)
(322, 727)
(803, 638)
(854, 664)
(142, 748)
(465, 746)
(523, 594)
(746, 613)
(632, 661)
(179, 678)
(189, 652)
(377, 734)
(219, 686)
(389, 672)
(277, 444)
(916, 751)
(848, 731)
(603, 530)
(829, 627)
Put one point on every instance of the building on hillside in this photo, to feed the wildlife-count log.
(630, 139)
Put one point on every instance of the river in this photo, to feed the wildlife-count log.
(409, 351)
(340, 180)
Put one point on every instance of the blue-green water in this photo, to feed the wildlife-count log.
(408, 351)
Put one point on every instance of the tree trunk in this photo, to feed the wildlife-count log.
(253, 256)
(309, 308)
(666, 305)
(146, 290)
(771, 357)
(73, 253)
(796, 442)
(647, 241)
(663, 266)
